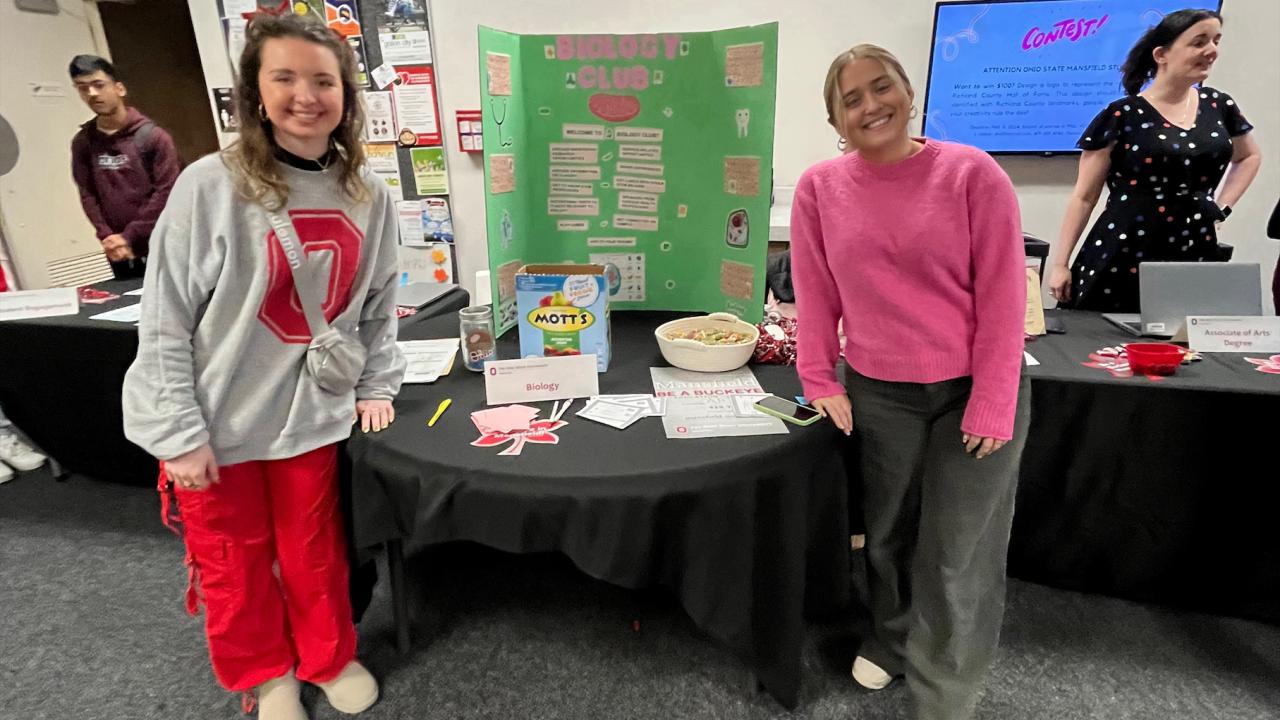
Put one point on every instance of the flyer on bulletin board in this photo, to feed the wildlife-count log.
(417, 116)
(428, 171)
(342, 17)
(402, 32)
(380, 121)
(362, 61)
(437, 221)
(383, 163)
(650, 154)
(430, 263)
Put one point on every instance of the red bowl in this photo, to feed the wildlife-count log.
(1154, 358)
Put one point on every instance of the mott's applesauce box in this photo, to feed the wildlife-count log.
(564, 310)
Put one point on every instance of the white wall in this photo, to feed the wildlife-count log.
(811, 32)
(39, 204)
(213, 55)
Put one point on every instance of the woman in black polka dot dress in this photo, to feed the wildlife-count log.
(1161, 154)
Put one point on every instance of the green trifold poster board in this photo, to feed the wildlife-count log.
(650, 154)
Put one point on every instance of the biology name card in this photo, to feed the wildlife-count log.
(536, 379)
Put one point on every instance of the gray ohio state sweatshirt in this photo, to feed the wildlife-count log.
(222, 340)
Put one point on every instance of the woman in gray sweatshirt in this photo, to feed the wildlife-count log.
(219, 391)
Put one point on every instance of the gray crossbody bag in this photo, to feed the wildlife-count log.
(335, 359)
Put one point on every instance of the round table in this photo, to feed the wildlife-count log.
(744, 530)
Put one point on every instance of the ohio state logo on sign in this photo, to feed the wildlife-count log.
(320, 232)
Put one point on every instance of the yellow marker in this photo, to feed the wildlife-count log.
(444, 405)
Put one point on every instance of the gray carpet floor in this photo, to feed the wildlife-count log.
(92, 626)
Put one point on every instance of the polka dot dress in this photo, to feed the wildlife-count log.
(1160, 205)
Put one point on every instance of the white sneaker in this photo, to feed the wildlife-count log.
(18, 454)
(6, 473)
(870, 675)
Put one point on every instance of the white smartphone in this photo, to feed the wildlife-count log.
(787, 410)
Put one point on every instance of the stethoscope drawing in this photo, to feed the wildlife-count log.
(504, 142)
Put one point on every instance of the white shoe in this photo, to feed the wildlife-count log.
(280, 699)
(18, 454)
(870, 675)
(354, 690)
(6, 473)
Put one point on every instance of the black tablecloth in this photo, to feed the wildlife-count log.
(61, 377)
(61, 385)
(1156, 491)
(740, 529)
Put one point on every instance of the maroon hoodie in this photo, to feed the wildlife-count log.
(124, 180)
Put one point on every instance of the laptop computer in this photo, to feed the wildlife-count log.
(1170, 291)
(417, 295)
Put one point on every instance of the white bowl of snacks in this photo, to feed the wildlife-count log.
(718, 342)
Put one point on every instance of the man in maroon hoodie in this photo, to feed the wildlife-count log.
(124, 165)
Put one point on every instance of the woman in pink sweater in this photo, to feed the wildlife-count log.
(916, 244)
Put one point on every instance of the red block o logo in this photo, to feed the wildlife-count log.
(319, 231)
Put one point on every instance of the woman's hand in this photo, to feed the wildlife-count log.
(838, 409)
(375, 415)
(195, 470)
(984, 445)
(1060, 283)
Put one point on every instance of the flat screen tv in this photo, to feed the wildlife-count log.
(1027, 76)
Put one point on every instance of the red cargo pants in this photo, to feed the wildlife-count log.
(265, 548)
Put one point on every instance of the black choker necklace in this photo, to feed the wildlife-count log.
(302, 163)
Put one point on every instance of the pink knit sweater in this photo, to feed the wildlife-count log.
(924, 261)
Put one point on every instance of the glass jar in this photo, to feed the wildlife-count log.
(475, 324)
